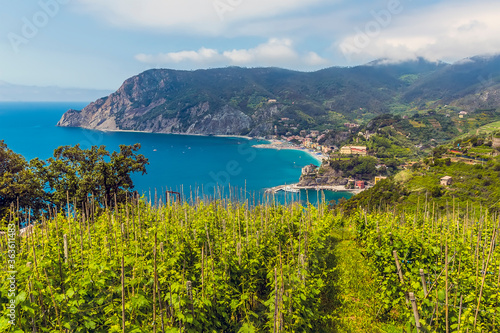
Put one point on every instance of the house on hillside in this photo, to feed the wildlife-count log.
(354, 150)
(350, 184)
(360, 185)
(326, 149)
(359, 150)
(446, 181)
(462, 114)
(496, 143)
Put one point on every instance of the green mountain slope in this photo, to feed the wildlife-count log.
(251, 101)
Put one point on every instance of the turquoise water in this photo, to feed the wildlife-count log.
(177, 162)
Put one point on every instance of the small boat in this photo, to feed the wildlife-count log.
(155, 150)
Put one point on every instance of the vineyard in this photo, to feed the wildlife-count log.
(222, 266)
(438, 271)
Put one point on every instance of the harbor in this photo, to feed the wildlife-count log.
(295, 188)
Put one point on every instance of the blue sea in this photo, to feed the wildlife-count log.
(182, 163)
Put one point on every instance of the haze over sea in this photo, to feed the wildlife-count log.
(177, 162)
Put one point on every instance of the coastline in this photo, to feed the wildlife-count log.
(272, 144)
(184, 134)
(280, 145)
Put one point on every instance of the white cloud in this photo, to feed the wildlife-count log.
(313, 59)
(357, 32)
(449, 31)
(195, 16)
(203, 55)
(276, 52)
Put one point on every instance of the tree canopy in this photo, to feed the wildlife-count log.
(19, 185)
(80, 174)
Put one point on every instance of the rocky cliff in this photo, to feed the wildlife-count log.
(325, 175)
(164, 101)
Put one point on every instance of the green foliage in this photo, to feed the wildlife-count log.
(476, 185)
(72, 172)
(18, 183)
(454, 252)
(384, 192)
(360, 167)
(249, 270)
(82, 173)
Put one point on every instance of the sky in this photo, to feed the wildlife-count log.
(97, 44)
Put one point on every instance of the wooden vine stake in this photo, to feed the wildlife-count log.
(424, 284)
(446, 288)
(400, 272)
(189, 291)
(154, 285)
(415, 312)
(123, 295)
(484, 278)
(275, 299)
(66, 256)
(203, 271)
(32, 300)
(460, 313)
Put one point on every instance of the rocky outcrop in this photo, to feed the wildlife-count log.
(160, 102)
(313, 176)
(98, 115)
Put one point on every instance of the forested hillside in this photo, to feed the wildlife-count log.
(252, 101)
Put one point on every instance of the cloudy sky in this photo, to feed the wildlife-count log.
(99, 43)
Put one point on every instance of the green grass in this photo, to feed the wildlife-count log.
(479, 150)
(358, 289)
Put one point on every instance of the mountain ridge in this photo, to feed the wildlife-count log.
(243, 101)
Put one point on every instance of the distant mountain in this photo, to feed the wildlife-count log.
(418, 66)
(460, 82)
(241, 101)
(18, 93)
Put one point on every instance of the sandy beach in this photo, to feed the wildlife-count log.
(279, 145)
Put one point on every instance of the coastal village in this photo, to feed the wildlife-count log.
(325, 177)
(315, 177)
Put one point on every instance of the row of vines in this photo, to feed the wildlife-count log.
(205, 267)
(438, 271)
(222, 266)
